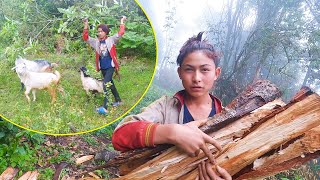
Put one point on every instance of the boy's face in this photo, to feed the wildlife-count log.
(198, 73)
(101, 34)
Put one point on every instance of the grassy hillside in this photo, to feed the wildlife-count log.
(72, 110)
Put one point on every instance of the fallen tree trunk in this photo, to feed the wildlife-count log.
(247, 139)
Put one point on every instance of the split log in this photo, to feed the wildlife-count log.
(244, 140)
(305, 148)
(281, 128)
(9, 173)
(30, 175)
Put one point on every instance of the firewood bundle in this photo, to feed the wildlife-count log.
(259, 133)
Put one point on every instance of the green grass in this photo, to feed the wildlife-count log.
(72, 109)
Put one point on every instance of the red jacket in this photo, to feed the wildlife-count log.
(110, 42)
(137, 131)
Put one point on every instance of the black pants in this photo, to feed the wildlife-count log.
(107, 77)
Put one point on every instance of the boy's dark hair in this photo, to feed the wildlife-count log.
(104, 28)
(196, 43)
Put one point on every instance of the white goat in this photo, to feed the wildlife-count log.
(36, 80)
(35, 66)
(89, 83)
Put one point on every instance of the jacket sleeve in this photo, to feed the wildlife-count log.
(91, 41)
(85, 34)
(134, 135)
(137, 131)
(121, 30)
(115, 38)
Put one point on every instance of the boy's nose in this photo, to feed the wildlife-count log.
(197, 76)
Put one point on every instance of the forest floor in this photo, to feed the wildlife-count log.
(58, 155)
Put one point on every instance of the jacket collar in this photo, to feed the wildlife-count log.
(101, 39)
(181, 94)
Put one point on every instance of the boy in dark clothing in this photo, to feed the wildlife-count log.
(106, 58)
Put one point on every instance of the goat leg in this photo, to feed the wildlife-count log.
(52, 92)
(61, 90)
(34, 94)
(26, 93)
(22, 86)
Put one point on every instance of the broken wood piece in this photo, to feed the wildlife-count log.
(253, 97)
(84, 159)
(94, 175)
(303, 149)
(25, 176)
(34, 175)
(9, 173)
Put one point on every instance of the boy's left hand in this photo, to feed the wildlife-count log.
(206, 172)
(195, 125)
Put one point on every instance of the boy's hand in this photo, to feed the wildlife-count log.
(206, 172)
(191, 139)
(85, 23)
(85, 20)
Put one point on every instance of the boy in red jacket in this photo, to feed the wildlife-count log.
(106, 58)
(175, 120)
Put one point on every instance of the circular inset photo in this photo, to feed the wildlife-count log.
(71, 67)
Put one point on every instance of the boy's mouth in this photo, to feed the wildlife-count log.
(196, 88)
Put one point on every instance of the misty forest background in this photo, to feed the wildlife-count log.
(277, 40)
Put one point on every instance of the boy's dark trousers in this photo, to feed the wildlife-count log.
(107, 77)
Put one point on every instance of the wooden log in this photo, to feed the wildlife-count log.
(25, 176)
(253, 97)
(292, 123)
(278, 127)
(9, 173)
(290, 154)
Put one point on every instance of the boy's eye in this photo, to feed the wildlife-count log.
(188, 69)
(205, 70)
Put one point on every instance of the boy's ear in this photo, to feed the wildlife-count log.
(217, 72)
(179, 72)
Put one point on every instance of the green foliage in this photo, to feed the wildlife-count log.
(46, 173)
(138, 39)
(37, 27)
(17, 148)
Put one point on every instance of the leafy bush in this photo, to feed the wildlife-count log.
(137, 41)
(18, 147)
